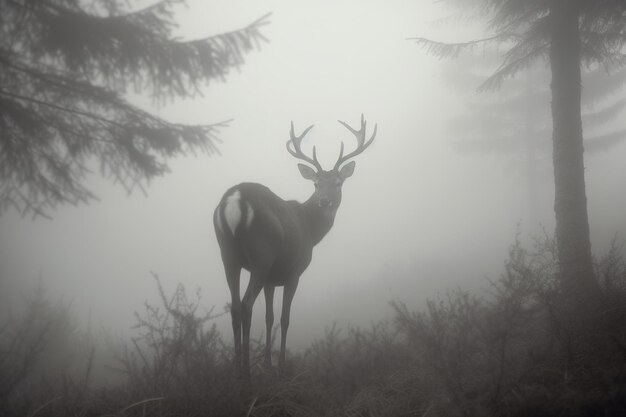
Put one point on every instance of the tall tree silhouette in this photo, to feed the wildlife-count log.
(517, 121)
(566, 33)
(65, 66)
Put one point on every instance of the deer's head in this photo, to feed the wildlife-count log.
(327, 195)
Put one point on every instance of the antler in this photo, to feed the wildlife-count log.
(297, 151)
(360, 138)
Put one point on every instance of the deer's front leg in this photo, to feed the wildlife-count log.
(269, 322)
(288, 293)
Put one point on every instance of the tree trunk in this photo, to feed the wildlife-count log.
(570, 204)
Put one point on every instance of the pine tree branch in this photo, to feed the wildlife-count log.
(604, 142)
(50, 76)
(601, 83)
(514, 15)
(63, 109)
(510, 67)
(144, 10)
(261, 21)
(125, 51)
(605, 114)
(444, 50)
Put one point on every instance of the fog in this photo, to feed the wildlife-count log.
(417, 218)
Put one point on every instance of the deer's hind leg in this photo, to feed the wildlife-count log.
(257, 279)
(233, 272)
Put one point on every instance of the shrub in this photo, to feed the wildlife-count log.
(44, 358)
(178, 361)
(515, 351)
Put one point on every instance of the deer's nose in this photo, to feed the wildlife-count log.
(324, 202)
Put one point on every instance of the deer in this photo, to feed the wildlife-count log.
(273, 239)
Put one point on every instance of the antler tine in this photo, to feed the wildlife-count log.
(360, 137)
(297, 151)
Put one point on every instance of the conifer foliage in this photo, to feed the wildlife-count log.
(65, 67)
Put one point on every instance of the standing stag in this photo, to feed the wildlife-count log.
(274, 239)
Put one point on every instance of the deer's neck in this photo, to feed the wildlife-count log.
(318, 220)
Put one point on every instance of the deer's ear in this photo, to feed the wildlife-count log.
(347, 170)
(307, 172)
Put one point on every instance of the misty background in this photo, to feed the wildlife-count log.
(417, 218)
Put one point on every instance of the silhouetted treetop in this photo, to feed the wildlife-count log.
(523, 26)
(65, 66)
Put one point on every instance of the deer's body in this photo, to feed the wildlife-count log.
(274, 239)
(270, 231)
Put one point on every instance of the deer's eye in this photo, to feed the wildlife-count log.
(317, 186)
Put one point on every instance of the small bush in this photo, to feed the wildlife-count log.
(44, 357)
(179, 361)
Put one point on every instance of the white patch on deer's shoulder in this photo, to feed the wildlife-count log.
(232, 210)
(249, 215)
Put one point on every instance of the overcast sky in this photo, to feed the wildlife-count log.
(416, 217)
